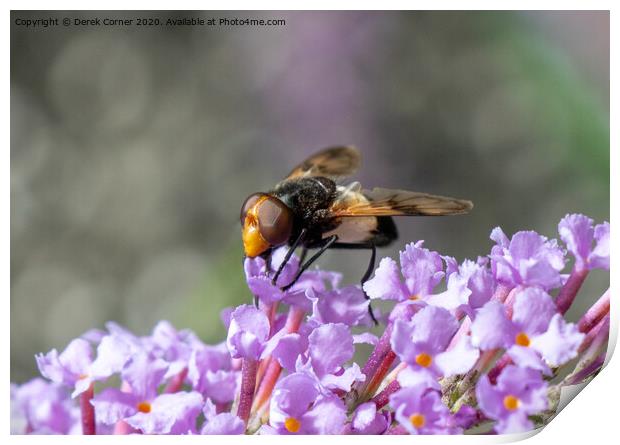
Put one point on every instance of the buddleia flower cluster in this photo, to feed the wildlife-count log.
(477, 347)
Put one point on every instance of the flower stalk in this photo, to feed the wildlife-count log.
(382, 399)
(569, 291)
(176, 383)
(600, 329)
(273, 368)
(377, 365)
(248, 383)
(87, 411)
(595, 313)
(588, 370)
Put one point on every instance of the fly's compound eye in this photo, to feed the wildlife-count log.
(248, 204)
(275, 221)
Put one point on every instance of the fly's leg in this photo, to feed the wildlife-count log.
(371, 267)
(327, 243)
(288, 255)
(302, 256)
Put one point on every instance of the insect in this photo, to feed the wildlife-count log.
(309, 209)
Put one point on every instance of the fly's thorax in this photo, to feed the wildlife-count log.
(306, 195)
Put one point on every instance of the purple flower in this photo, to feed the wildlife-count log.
(537, 336)
(142, 408)
(559, 343)
(298, 406)
(519, 392)
(577, 232)
(113, 352)
(466, 417)
(287, 347)
(210, 373)
(420, 411)
(247, 333)
(297, 372)
(528, 259)
(366, 420)
(75, 367)
(422, 342)
(41, 407)
(259, 279)
(347, 305)
(220, 424)
(257, 267)
(70, 368)
(455, 298)
(329, 347)
(175, 347)
(365, 337)
(599, 258)
(143, 374)
(421, 268)
(321, 353)
(93, 335)
(415, 376)
(169, 414)
(470, 285)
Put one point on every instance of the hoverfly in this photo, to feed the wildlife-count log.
(309, 209)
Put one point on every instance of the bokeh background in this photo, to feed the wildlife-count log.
(133, 148)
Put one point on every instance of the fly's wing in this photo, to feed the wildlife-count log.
(332, 162)
(387, 202)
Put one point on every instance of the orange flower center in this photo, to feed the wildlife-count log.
(511, 402)
(424, 360)
(292, 425)
(522, 339)
(82, 376)
(144, 407)
(417, 420)
(414, 297)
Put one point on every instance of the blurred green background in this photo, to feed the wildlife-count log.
(133, 148)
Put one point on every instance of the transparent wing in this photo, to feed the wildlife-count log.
(331, 162)
(388, 202)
